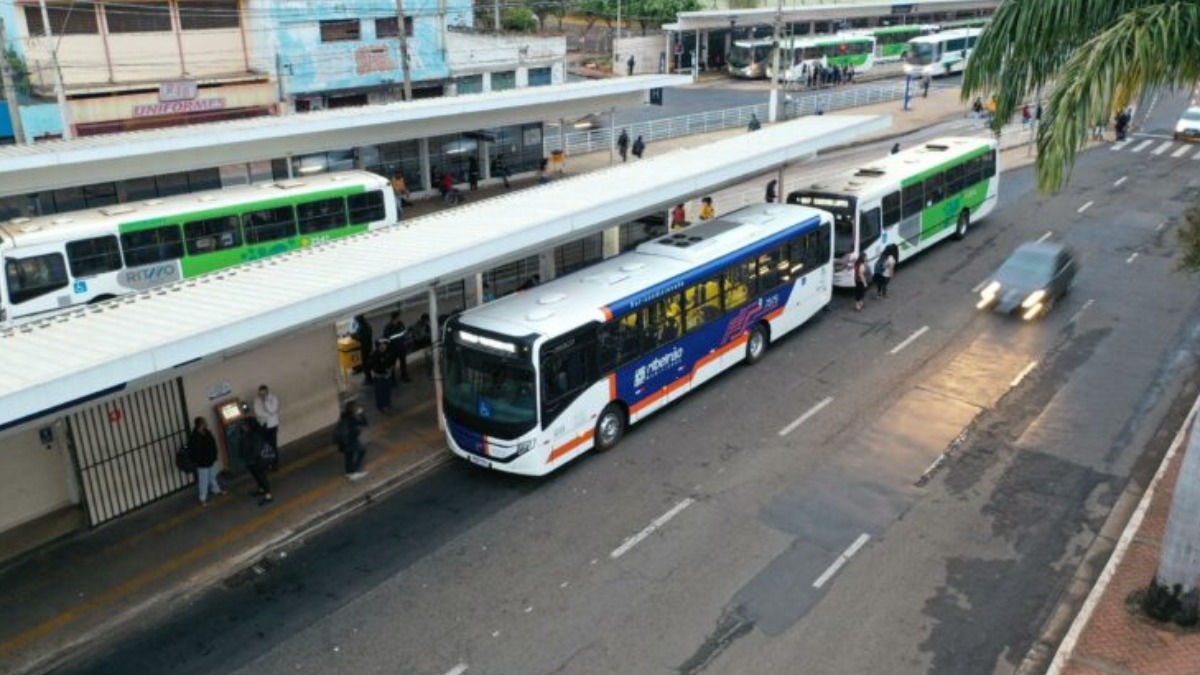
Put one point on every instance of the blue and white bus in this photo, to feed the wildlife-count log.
(535, 379)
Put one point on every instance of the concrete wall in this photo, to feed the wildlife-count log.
(645, 50)
(301, 370)
(34, 480)
(475, 53)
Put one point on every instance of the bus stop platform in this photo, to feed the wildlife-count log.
(86, 586)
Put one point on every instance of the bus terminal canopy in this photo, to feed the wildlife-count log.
(97, 348)
(795, 13)
(58, 164)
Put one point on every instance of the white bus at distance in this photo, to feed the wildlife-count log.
(60, 261)
(748, 58)
(535, 379)
(912, 199)
(942, 53)
(798, 56)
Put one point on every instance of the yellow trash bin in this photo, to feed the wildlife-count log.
(349, 353)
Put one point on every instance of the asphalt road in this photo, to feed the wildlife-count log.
(955, 565)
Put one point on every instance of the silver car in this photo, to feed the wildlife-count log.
(1031, 280)
(1188, 126)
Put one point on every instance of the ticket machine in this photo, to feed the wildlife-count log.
(233, 417)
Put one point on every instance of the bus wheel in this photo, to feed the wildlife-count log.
(610, 427)
(964, 222)
(756, 344)
(101, 298)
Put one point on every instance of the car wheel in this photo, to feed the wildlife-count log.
(610, 428)
(756, 345)
(964, 223)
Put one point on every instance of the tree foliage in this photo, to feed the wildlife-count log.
(1099, 55)
(656, 12)
(519, 20)
(543, 9)
(1189, 241)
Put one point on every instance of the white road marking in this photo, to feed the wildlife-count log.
(650, 529)
(1166, 136)
(1085, 207)
(1162, 148)
(1196, 156)
(1120, 180)
(1120, 145)
(979, 287)
(933, 467)
(1142, 146)
(910, 339)
(1021, 375)
(842, 560)
(804, 418)
(1131, 258)
(1160, 226)
(1076, 315)
(1181, 151)
(1042, 238)
(457, 670)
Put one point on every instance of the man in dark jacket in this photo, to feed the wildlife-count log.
(381, 363)
(396, 333)
(202, 446)
(349, 425)
(623, 145)
(363, 336)
(251, 451)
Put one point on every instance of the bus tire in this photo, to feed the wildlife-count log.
(964, 223)
(610, 427)
(756, 344)
(101, 298)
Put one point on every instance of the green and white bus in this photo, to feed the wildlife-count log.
(67, 259)
(798, 55)
(944, 53)
(892, 41)
(913, 199)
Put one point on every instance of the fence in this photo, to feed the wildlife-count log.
(793, 104)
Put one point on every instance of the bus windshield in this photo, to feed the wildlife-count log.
(745, 55)
(842, 209)
(489, 391)
(921, 53)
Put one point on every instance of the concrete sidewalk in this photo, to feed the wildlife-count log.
(91, 585)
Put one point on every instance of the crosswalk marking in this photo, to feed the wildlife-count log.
(1163, 148)
(1142, 146)
(1181, 151)
(1121, 145)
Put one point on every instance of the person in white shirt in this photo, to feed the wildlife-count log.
(266, 411)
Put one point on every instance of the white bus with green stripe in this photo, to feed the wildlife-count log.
(943, 53)
(799, 55)
(913, 199)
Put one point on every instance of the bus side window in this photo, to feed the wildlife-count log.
(29, 278)
(89, 257)
(321, 215)
(914, 200)
(663, 320)
(620, 341)
(737, 284)
(366, 207)
(869, 227)
(568, 366)
(972, 171)
(989, 164)
(212, 234)
(768, 271)
(954, 179)
(935, 189)
(891, 209)
(797, 254)
(703, 304)
(147, 247)
(269, 225)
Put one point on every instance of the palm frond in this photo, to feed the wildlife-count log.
(1152, 46)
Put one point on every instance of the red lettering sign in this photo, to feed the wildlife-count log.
(178, 107)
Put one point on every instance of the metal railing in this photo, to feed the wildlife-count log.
(793, 104)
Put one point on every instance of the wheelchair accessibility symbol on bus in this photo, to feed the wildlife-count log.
(81, 286)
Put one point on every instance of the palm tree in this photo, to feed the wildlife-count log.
(1100, 55)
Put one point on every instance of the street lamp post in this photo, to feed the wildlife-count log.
(773, 102)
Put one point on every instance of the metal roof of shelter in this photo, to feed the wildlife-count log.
(720, 18)
(57, 164)
(90, 350)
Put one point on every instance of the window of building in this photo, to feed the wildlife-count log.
(147, 247)
(138, 17)
(269, 225)
(579, 254)
(389, 27)
(212, 234)
(33, 277)
(321, 215)
(209, 14)
(76, 18)
(539, 77)
(502, 80)
(469, 84)
(89, 257)
(341, 30)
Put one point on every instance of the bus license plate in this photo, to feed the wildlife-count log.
(480, 461)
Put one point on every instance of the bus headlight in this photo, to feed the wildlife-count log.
(1034, 298)
(524, 447)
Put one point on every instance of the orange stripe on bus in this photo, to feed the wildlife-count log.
(612, 386)
(682, 381)
(571, 445)
(608, 315)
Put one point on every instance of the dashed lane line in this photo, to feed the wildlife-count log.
(1021, 375)
(650, 529)
(805, 417)
(1085, 207)
(910, 339)
(1120, 180)
(842, 560)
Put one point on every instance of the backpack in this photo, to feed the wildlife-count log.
(879, 264)
(184, 461)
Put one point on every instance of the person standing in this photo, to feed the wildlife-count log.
(754, 125)
(896, 149)
(364, 337)
(500, 168)
(860, 281)
(266, 411)
(251, 450)
(630, 63)
(925, 82)
(1026, 115)
(770, 196)
(202, 446)
(623, 145)
(707, 211)
(346, 434)
(886, 269)
(678, 217)
(639, 147)
(473, 173)
(381, 365)
(396, 334)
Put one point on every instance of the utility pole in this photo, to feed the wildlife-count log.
(10, 88)
(60, 92)
(616, 56)
(403, 50)
(773, 102)
(496, 17)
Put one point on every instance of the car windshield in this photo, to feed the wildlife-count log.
(1192, 115)
(842, 209)
(1027, 267)
(744, 55)
(493, 393)
(921, 53)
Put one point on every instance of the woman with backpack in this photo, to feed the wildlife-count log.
(885, 268)
(202, 447)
